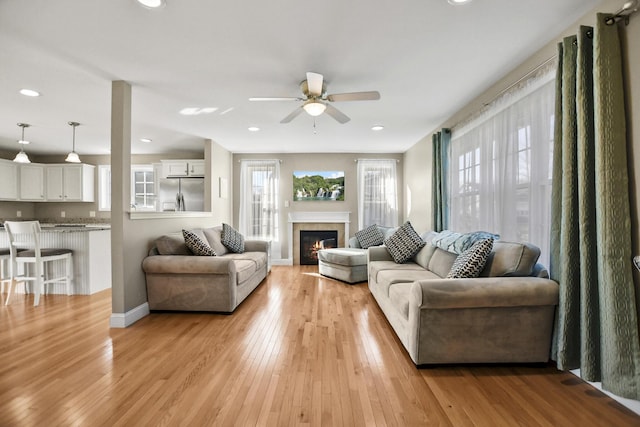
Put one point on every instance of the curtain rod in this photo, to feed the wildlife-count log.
(357, 160)
(520, 80)
(627, 9)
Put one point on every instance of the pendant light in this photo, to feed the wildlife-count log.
(22, 157)
(73, 157)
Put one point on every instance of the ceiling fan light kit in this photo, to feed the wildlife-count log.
(22, 157)
(314, 108)
(316, 100)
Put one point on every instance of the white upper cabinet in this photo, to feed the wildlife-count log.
(182, 168)
(9, 180)
(32, 182)
(70, 183)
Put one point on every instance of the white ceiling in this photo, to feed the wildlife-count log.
(427, 59)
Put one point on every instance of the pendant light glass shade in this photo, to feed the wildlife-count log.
(314, 108)
(73, 157)
(22, 157)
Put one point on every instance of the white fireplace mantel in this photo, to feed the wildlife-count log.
(316, 218)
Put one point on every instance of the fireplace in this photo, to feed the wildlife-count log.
(313, 240)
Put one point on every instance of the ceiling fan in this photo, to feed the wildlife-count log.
(316, 100)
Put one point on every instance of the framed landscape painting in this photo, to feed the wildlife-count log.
(318, 186)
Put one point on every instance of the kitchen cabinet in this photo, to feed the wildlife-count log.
(182, 168)
(9, 180)
(70, 183)
(32, 182)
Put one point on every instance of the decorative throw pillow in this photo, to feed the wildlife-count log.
(370, 236)
(404, 243)
(470, 263)
(197, 245)
(232, 239)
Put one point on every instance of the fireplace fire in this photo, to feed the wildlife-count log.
(311, 241)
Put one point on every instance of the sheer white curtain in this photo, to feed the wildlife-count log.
(500, 168)
(377, 193)
(259, 216)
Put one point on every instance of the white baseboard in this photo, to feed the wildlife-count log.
(123, 320)
(282, 261)
(633, 405)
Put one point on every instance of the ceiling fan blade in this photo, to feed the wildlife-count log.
(314, 83)
(276, 99)
(295, 113)
(354, 96)
(337, 114)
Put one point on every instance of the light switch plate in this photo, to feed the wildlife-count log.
(63, 214)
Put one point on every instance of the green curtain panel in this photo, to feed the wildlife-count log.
(597, 322)
(439, 186)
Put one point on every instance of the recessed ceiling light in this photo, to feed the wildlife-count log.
(146, 139)
(194, 111)
(152, 4)
(377, 127)
(29, 92)
(253, 128)
(458, 2)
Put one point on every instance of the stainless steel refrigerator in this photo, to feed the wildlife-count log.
(181, 194)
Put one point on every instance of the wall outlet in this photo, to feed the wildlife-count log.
(19, 214)
(92, 214)
(63, 214)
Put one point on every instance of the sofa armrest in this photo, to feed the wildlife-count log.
(484, 292)
(378, 253)
(256, 246)
(187, 264)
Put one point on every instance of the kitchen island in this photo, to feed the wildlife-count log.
(91, 246)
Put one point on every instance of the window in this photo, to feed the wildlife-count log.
(143, 187)
(259, 216)
(502, 182)
(104, 187)
(377, 193)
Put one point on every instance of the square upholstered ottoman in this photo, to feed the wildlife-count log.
(346, 264)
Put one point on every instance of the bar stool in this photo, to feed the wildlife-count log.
(29, 231)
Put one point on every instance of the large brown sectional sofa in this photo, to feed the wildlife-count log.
(178, 280)
(506, 315)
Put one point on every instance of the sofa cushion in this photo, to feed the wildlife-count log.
(172, 244)
(458, 242)
(214, 238)
(404, 243)
(511, 259)
(470, 263)
(370, 236)
(387, 278)
(441, 262)
(232, 239)
(197, 243)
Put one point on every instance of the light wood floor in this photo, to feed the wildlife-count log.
(301, 350)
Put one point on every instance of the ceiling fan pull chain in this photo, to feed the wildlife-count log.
(314, 126)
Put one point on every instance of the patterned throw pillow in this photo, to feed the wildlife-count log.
(232, 239)
(470, 263)
(370, 236)
(196, 244)
(404, 243)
